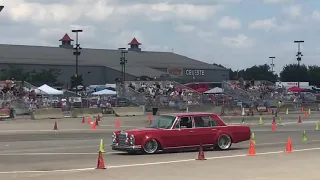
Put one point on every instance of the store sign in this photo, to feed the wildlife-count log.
(195, 72)
(175, 71)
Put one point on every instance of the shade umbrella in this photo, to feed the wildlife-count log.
(295, 89)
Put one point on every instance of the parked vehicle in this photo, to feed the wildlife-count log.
(180, 131)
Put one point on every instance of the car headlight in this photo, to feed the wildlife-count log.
(114, 137)
(131, 140)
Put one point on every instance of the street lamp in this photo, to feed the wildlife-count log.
(272, 64)
(299, 55)
(1, 7)
(77, 54)
(123, 62)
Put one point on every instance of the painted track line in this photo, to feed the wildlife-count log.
(284, 123)
(209, 158)
(28, 153)
(157, 163)
(53, 131)
(46, 149)
(46, 154)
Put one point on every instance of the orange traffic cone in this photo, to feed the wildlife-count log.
(299, 120)
(83, 120)
(306, 114)
(268, 111)
(117, 123)
(201, 154)
(289, 146)
(88, 122)
(94, 125)
(302, 109)
(55, 127)
(252, 151)
(274, 127)
(150, 118)
(100, 164)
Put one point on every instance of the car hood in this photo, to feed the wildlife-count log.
(141, 130)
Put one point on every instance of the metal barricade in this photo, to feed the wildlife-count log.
(237, 93)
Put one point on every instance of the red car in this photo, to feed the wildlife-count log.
(180, 131)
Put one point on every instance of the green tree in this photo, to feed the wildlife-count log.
(76, 81)
(314, 73)
(260, 72)
(45, 76)
(14, 72)
(293, 73)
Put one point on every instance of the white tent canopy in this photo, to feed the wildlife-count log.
(105, 92)
(214, 90)
(49, 90)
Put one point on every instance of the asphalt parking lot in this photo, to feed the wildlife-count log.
(32, 150)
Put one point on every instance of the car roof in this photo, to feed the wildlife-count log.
(189, 114)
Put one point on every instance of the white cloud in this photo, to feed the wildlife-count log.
(185, 28)
(191, 27)
(293, 11)
(316, 15)
(20, 10)
(227, 22)
(239, 41)
(276, 1)
(270, 24)
(264, 24)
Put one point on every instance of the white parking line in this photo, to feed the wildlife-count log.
(156, 163)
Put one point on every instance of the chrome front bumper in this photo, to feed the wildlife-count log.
(125, 148)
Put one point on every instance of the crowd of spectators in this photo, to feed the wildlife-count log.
(165, 92)
(265, 90)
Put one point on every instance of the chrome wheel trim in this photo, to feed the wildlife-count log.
(151, 146)
(224, 142)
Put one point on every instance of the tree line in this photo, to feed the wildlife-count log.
(38, 77)
(289, 73)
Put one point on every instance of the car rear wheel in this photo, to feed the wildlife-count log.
(224, 142)
(151, 146)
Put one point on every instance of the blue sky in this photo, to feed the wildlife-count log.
(234, 33)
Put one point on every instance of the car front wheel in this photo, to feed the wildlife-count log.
(224, 142)
(151, 146)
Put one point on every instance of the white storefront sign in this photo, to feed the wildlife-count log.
(195, 72)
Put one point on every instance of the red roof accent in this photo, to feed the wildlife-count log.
(134, 42)
(66, 38)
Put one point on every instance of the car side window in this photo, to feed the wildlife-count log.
(184, 122)
(204, 121)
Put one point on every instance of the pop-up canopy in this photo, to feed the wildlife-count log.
(105, 92)
(49, 90)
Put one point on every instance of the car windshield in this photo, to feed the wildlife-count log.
(164, 122)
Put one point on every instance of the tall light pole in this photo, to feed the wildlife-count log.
(77, 54)
(272, 64)
(123, 62)
(1, 7)
(299, 55)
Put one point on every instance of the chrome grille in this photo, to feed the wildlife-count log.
(122, 139)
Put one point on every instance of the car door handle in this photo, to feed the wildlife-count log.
(191, 131)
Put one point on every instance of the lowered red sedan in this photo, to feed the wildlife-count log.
(180, 131)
